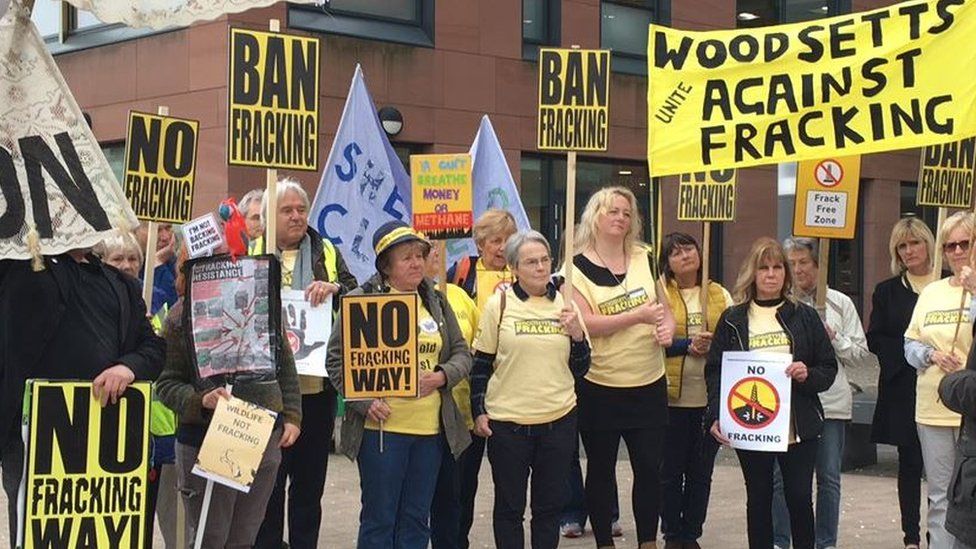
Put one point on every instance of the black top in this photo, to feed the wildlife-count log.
(601, 276)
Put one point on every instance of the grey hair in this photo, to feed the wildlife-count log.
(284, 185)
(255, 195)
(801, 244)
(519, 239)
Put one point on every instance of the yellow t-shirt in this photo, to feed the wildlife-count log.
(531, 382)
(934, 323)
(490, 282)
(630, 357)
(694, 393)
(418, 416)
(765, 332)
(918, 282)
(467, 314)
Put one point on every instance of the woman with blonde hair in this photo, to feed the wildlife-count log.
(912, 250)
(121, 251)
(936, 345)
(624, 394)
(767, 318)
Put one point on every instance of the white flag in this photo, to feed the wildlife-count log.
(494, 187)
(57, 191)
(363, 184)
(159, 14)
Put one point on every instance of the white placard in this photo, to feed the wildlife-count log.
(754, 410)
(308, 329)
(826, 209)
(202, 236)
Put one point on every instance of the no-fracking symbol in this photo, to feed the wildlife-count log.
(829, 173)
(753, 403)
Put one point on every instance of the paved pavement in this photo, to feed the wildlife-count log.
(869, 513)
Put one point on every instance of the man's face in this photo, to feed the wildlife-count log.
(252, 219)
(164, 236)
(292, 220)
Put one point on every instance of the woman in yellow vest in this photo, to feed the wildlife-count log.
(689, 454)
(624, 394)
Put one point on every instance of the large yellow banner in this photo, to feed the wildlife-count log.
(887, 79)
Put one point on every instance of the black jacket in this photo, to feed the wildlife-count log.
(958, 393)
(32, 305)
(809, 344)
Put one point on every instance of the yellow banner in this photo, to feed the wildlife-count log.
(379, 350)
(87, 467)
(442, 200)
(892, 78)
(707, 196)
(274, 100)
(160, 165)
(826, 197)
(946, 176)
(574, 99)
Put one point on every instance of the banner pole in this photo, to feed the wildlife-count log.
(937, 263)
(442, 266)
(152, 238)
(703, 294)
(823, 262)
(569, 233)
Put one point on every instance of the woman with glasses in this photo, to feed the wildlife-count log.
(936, 345)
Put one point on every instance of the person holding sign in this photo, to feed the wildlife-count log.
(487, 272)
(767, 318)
(398, 475)
(935, 347)
(624, 394)
(311, 264)
(689, 455)
(530, 350)
(912, 249)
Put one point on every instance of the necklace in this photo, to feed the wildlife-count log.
(620, 281)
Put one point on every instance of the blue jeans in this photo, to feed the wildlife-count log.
(830, 454)
(398, 487)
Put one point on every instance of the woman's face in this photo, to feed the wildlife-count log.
(492, 251)
(406, 267)
(432, 265)
(616, 220)
(534, 267)
(956, 248)
(770, 277)
(125, 260)
(684, 260)
(912, 253)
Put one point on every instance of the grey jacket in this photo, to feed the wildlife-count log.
(454, 361)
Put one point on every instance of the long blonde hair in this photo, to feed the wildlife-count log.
(601, 202)
(762, 250)
(910, 227)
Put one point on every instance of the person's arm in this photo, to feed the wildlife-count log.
(958, 392)
(713, 367)
(291, 394)
(884, 339)
(334, 365)
(849, 340)
(579, 357)
(347, 281)
(679, 347)
(481, 370)
(823, 370)
(458, 365)
(918, 354)
(174, 387)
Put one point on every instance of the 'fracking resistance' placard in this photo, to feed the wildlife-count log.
(707, 196)
(442, 199)
(160, 164)
(379, 350)
(274, 100)
(574, 99)
(892, 78)
(946, 176)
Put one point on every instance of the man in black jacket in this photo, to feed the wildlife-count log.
(75, 319)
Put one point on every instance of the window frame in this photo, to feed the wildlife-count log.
(629, 63)
(552, 15)
(344, 23)
(70, 39)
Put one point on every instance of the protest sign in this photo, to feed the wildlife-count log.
(202, 236)
(847, 85)
(946, 176)
(234, 310)
(57, 191)
(234, 445)
(754, 410)
(707, 196)
(85, 479)
(308, 330)
(442, 199)
(826, 197)
(160, 164)
(379, 346)
(274, 100)
(574, 99)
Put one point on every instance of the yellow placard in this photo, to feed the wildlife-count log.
(945, 179)
(707, 196)
(442, 197)
(379, 350)
(574, 99)
(87, 467)
(160, 166)
(273, 100)
(867, 82)
(826, 197)
(234, 445)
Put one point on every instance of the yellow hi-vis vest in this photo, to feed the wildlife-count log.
(674, 366)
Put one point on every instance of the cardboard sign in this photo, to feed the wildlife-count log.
(946, 176)
(574, 99)
(707, 196)
(379, 350)
(86, 467)
(160, 164)
(234, 445)
(755, 402)
(826, 197)
(203, 235)
(274, 100)
(308, 330)
(888, 79)
(442, 198)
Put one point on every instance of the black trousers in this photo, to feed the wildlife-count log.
(445, 508)
(544, 452)
(910, 468)
(686, 474)
(797, 465)
(303, 468)
(469, 466)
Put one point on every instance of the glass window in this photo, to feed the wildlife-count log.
(535, 24)
(85, 19)
(794, 11)
(909, 193)
(47, 17)
(401, 21)
(407, 11)
(404, 150)
(115, 154)
(623, 27)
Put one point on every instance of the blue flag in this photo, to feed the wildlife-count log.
(363, 184)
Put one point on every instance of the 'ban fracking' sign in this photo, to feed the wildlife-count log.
(379, 346)
(574, 99)
(946, 176)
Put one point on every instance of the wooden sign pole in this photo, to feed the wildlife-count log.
(271, 189)
(965, 292)
(442, 266)
(823, 263)
(569, 234)
(937, 260)
(152, 238)
(706, 246)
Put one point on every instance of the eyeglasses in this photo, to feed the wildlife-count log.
(963, 246)
(536, 261)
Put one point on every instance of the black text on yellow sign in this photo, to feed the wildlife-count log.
(946, 177)
(380, 355)
(707, 196)
(574, 99)
(87, 466)
(160, 165)
(274, 100)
